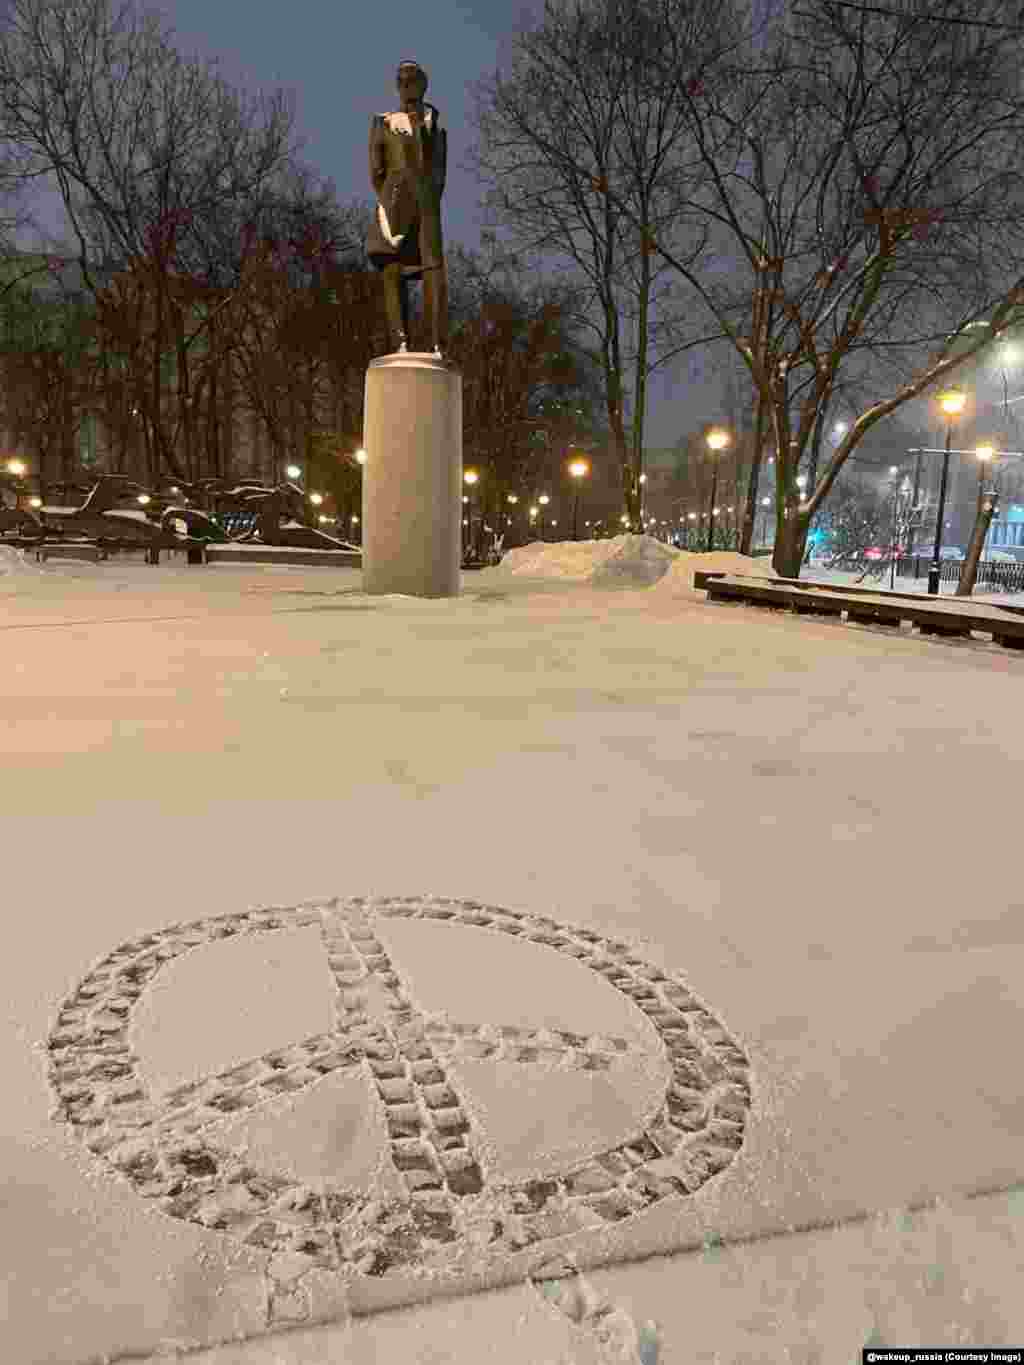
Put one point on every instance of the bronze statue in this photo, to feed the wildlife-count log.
(408, 160)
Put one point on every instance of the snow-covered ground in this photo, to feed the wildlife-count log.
(745, 801)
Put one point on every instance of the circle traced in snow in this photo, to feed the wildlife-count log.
(438, 1204)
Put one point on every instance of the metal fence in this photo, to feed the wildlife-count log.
(691, 539)
(1008, 577)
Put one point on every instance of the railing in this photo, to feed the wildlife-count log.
(725, 538)
(1009, 577)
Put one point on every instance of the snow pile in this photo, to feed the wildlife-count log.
(14, 561)
(620, 562)
(639, 560)
(679, 579)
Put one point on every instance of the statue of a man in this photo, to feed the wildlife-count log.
(408, 160)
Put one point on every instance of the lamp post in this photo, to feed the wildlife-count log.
(17, 469)
(469, 478)
(765, 502)
(293, 471)
(578, 469)
(898, 490)
(717, 439)
(543, 500)
(511, 499)
(952, 404)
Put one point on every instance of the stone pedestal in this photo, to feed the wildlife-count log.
(412, 479)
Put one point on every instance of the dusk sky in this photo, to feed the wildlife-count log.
(339, 58)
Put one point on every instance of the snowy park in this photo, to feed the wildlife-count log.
(640, 869)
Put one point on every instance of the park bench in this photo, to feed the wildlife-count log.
(71, 549)
(862, 607)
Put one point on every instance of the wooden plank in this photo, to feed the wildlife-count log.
(63, 549)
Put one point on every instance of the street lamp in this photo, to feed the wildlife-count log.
(17, 467)
(470, 478)
(765, 502)
(293, 471)
(579, 470)
(316, 499)
(898, 490)
(360, 456)
(952, 403)
(543, 500)
(717, 439)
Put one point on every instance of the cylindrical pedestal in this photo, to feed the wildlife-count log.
(412, 479)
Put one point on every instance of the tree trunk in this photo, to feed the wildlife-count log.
(983, 520)
(750, 511)
(640, 378)
(790, 543)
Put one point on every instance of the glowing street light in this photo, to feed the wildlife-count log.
(765, 502)
(35, 502)
(360, 456)
(293, 471)
(316, 499)
(952, 403)
(144, 498)
(17, 467)
(470, 478)
(579, 469)
(717, 439)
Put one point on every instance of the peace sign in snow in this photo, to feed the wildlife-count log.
(168, 1150)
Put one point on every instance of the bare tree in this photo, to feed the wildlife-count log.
(576, 113)
(307, 325)
(45, 352)
(863, 180)
(525, 390)
(149, 150)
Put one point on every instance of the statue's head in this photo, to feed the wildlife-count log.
(412, 81)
